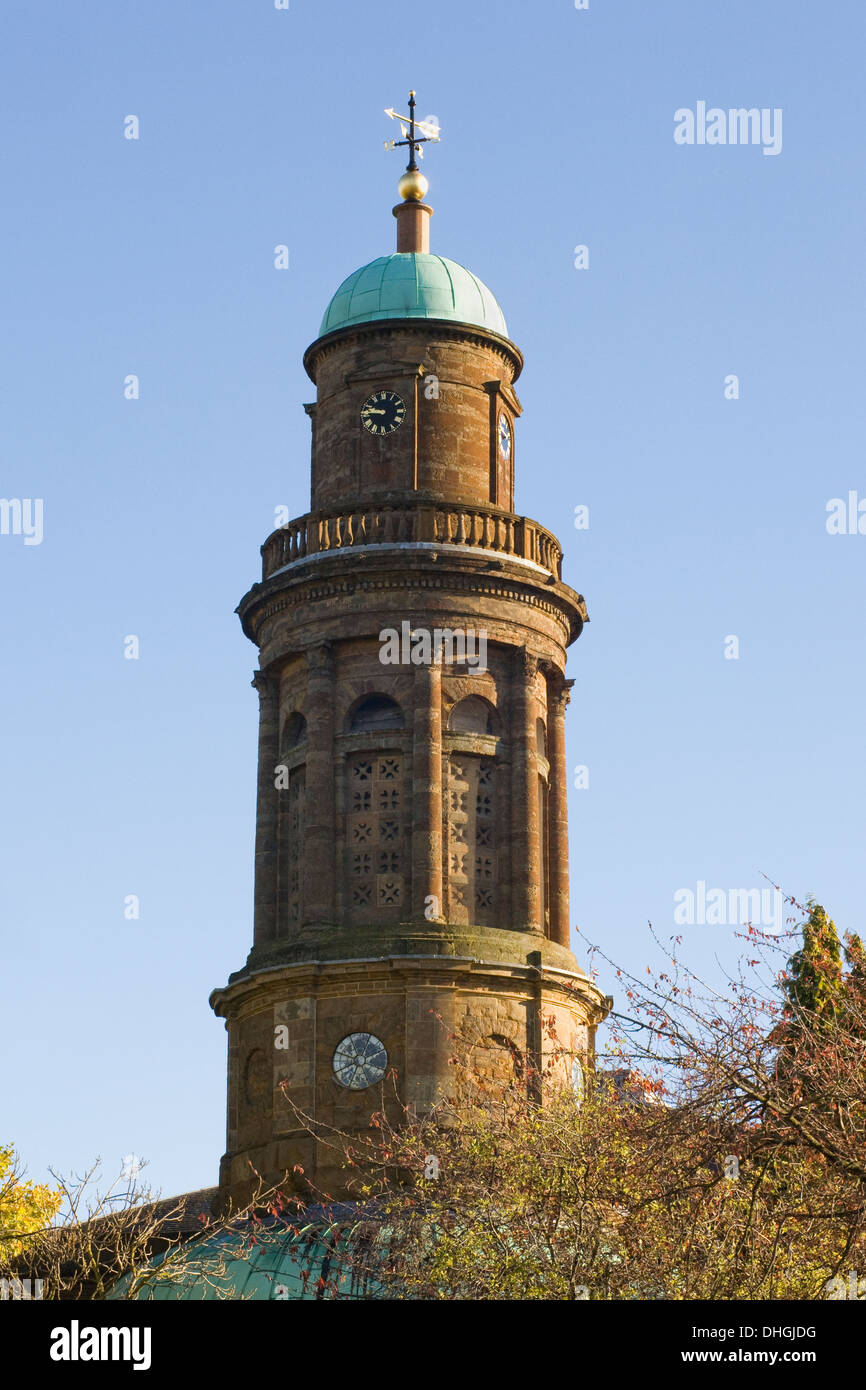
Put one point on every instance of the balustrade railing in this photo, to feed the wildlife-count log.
(482, 528)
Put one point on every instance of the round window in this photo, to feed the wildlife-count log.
(360, 1060)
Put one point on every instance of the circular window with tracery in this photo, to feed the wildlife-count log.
(360, 1060)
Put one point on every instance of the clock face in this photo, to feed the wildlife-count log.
(383, 413)
(504, 437)
(360, 1060)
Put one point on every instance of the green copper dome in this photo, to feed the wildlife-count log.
(266, 1259)
(413, 285)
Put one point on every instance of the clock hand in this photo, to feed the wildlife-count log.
(374, 412)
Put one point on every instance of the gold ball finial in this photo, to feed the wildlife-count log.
(412, 186)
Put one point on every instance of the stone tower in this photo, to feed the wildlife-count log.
(411, 868)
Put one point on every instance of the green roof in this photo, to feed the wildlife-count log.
(259, 1260)
(413, 285)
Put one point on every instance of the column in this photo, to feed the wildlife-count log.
(526, 868)
(558, 696)
(267, 810)
(427, 794)
(320, 858)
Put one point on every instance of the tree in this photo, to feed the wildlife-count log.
(705, 1176)
(87, 1238)
(813, 985)
(24, 1206)
(855, 980)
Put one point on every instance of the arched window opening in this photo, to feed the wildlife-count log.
(374, 714)
(294, 731)
(474, 715)
(498, 1061)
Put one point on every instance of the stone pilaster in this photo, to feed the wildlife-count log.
(320, 871)
(558, 696)
(267, 809)
(427, 793)
(526, 866)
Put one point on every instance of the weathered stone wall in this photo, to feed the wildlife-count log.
(446, 446)
(417, 1008)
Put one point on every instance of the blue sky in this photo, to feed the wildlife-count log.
(707, 516)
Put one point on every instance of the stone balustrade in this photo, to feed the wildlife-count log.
(480, 528)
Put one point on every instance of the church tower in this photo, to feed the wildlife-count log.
(411, 863)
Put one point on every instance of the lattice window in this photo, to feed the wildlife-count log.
(471, 839)
(291, 851)
(544, 854)
(376, 836)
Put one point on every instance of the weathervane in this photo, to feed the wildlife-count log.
(408, 125)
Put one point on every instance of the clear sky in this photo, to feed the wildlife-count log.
(155, 257)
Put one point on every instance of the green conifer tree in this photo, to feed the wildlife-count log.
(814, 984)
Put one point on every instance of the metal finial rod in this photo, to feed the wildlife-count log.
(412, 163)
(410, 127)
